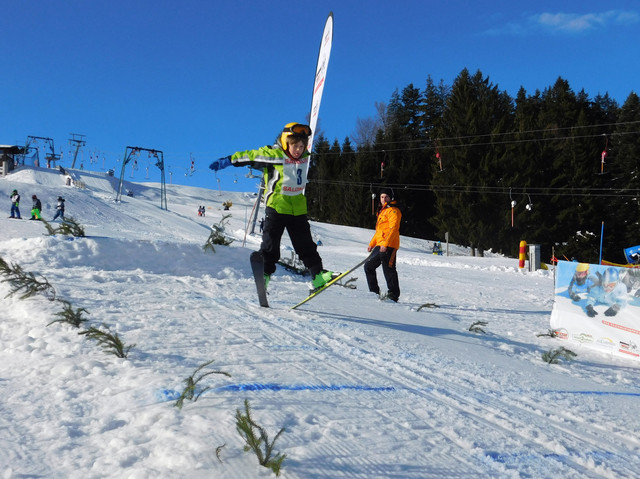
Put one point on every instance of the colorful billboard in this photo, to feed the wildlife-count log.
(599, 307)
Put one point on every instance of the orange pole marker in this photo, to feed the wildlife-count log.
(522, 255)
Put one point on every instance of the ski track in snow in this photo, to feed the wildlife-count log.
(439, 411)
(460, 401)
(365, 389)
(468, 409)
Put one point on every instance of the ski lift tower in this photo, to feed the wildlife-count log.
(50, 157)
(78, 141)
(132, 151)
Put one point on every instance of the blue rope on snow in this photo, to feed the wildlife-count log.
(300, 387)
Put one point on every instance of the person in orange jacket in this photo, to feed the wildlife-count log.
(385, 244)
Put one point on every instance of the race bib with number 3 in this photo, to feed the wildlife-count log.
(294, 176)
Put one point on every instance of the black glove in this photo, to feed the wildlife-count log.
(612, 311)
(575, 297)
(590, 311)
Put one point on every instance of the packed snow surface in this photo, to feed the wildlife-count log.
(363, 388)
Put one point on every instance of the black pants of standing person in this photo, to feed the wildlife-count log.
(388, 261)
(299, 232)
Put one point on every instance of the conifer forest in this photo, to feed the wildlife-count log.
(554, 167)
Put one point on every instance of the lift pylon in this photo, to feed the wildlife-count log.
(78, 141)
(132, 151)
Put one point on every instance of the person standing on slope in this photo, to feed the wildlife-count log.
(15, 203)
(36, 209)
(285, 177)
(59, 209)
(385, 244)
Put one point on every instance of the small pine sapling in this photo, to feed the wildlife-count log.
(217, 236)
(552, 333)
(219, 452)
(69, 315)
(68, 227)
(477, 327)
(110, 342)
(385, 296)
(191, 392)
(555, 355)
(428, 305)
(27, 282)
(257, 440)
(349, 283)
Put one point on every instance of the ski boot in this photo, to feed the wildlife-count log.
(322, 278)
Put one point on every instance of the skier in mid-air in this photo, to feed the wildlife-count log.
(285, 177)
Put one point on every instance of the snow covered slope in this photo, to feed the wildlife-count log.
(363, 388)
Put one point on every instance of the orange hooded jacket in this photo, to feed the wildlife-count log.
(387, 227)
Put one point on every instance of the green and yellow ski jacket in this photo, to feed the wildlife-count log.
(284, 177)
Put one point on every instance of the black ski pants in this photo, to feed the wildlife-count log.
(388, 261)
(300, 235)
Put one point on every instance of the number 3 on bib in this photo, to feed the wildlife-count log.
(294, 177)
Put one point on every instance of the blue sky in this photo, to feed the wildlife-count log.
(203, 79)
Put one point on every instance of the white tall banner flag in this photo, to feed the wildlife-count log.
(321, 74)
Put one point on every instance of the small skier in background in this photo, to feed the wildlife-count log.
(15, 203)
(36, 208)
(59, 208)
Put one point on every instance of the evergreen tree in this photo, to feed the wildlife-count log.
(354, 197)
(593, 128)
(477, 113)
(334, 190)
(406, 161)
(524, 177)
(604, 112)
(542, 150)
(627, 166)
(558, 115)
(435, 102)
(316, 191)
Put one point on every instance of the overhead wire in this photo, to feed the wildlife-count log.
(538, 191)
(523, 132)
(500, 190)
(459, 139)
(443, 146)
